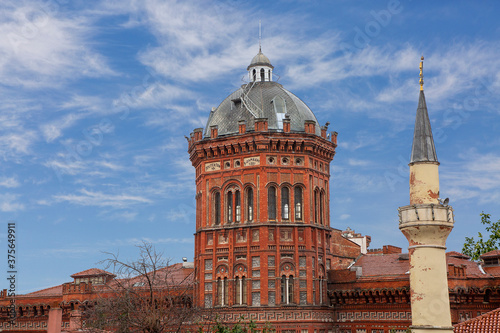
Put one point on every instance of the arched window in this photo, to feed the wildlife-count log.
(217, 208)
(316, 206)
(222, 291)
(254, 74)
(298, 203)
(269, 74)
(285, 203)
(271, 203)
(287, 289)
(250, 204)
(321, 207)
(229, 206)
(262, 74)
(240, 288)
(237, 205)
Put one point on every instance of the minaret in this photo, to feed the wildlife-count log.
(426, 223)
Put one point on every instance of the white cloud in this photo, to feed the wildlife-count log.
(9, 182)
(9, 203)
(15, 144)
(40, 47)
(99, 199)
(344, 216)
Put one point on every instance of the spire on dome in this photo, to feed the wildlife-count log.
(423, 149)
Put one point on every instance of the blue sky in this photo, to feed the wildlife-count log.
(98, 95)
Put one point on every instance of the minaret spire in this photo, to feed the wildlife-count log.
(260, 37)
(423, 149)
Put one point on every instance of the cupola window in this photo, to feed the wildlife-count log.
(262, 75)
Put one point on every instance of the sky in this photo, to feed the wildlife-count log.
(97, 96)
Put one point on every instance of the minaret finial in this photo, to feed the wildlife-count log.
(421, 73)
(260, 37)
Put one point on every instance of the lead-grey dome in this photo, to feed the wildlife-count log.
(270, 100)
(260, 60)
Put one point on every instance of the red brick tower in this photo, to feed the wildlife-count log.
(263, 236)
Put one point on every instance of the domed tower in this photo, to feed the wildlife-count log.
(262, 241)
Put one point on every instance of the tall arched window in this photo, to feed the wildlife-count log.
(250, 204)
(285, 203)
(229, 202)
(287, 289)
(240, 288)
(316, 206)
(237, 205)
(222, 291)
(321, 207)
(271, 203)
(298, 203)
(217, 208)
(254, 74)
(262, 74)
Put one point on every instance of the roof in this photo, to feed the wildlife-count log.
(376, 265)
(260, 60)
(92, 272)
(488, 322)
(491, 254)
(265, 95)
(51, 291)
(423, 149)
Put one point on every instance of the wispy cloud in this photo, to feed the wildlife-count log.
(99, 199)
(10, 203)
(9, 182)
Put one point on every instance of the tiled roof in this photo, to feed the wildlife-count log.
(51, 291)
(487, 323)
(457, 255)
(91, 272)
(398, 264)
(493, 270)
(491, 254)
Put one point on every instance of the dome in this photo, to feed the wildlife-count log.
(260, 60)
(269, 100)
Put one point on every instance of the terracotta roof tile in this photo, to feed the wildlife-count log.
(457, 255)
(51, 291)
(493, 270)
(487, 323)
(491, 254)
(91, 272)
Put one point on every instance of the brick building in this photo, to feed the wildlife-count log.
(264, 246)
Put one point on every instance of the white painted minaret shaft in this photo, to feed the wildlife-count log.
(426, 224)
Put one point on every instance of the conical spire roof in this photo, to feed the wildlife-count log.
(423, 149)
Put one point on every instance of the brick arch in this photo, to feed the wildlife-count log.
(283, 268)
(222, 271)
(240, 270)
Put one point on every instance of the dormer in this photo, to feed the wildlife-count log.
(94, 275)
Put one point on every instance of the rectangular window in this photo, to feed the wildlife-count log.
(271, 298)
(256, 284)
(256, 273)
(302, 273)
(270, 261)
(208, 286)
(208, 264)
(271, 284)
(303, 297)
(302, 262)
(255, 262)
(208, 300)
(208, 276)
(270, 273)
(303, 284)
(256, 298)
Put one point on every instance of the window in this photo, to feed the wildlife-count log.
(237, 204)
(271, 202)
(285, 203)
(240, 287)
(262, 74)
(298, 203)
(254, 74)
(229, 206)
(321, 208)
(316, 206)
(287, 289)
(217, 208)
(250, 204)
(222, 291)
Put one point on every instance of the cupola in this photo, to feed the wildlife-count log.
(260, 69)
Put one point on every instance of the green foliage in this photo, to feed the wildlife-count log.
(240, 327)
(474, 248)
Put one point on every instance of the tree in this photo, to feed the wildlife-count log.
(149, 295)
(475, 249)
